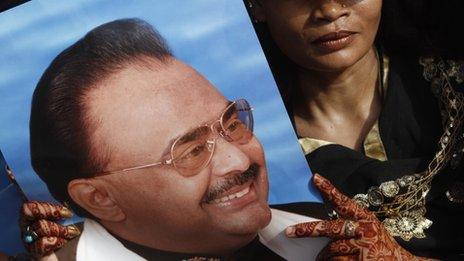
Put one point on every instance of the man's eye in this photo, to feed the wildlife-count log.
(194, 152)
(234, 125)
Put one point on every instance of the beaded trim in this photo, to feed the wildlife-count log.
(401, 202)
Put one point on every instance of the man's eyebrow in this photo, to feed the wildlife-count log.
(167, 150)
(188, 136)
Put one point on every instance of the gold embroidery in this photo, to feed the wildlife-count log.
(309, 145)
(404, 214)
(386, 69)
(411, 224)
(373, 145)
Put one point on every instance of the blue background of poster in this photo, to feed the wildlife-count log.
(214, 36)
(10, 202)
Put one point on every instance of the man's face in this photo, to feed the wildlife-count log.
(138, 112)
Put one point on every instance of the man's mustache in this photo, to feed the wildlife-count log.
(230, 182)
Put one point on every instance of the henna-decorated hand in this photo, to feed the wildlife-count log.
(37, 225)
(357, 235)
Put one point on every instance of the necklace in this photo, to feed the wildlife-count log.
(401, 202)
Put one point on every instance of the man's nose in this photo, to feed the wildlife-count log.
(228, 158)
(329, 10)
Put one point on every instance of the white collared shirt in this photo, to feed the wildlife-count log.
(96, 244)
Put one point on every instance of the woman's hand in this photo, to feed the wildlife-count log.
(357, 235)
(40, 233)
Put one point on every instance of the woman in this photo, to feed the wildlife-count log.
(369, 115)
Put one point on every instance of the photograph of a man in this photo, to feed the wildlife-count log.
(159, 162)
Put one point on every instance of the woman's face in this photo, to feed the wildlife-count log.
(322, 35)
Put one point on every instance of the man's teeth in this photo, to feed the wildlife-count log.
(232, 196)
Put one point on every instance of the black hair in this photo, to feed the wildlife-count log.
(59, 126)
(422, 28)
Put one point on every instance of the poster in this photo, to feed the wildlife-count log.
(221, 45)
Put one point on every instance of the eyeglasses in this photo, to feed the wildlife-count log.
(192, 152)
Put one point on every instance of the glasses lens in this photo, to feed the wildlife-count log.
(237, 122)
(192, 151)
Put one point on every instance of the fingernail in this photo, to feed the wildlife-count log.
(73, 231)
(65, 212)
(290, 231)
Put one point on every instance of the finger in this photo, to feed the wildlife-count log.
(335, 229)
(44, 210)
(339, 248)
(46, 228)
(344, 206)
(46, 245)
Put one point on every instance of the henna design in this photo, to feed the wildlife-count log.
(335, 229)
(344, 206)
(370, 242)
(338, 248)
(46, 245)
(46, 228)
(40, 217)
(345, 258)
(44, 210)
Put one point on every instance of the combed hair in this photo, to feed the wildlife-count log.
(59, 127)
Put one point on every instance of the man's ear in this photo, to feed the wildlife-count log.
(92, 195)
(257, 10)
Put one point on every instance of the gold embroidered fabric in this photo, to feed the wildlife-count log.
(385, 69)
(309, 145)
(402, 201)
(373, 145)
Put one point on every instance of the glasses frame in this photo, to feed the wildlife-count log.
(210, 143)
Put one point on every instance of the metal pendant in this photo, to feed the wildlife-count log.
(456, 193)
(408, 225)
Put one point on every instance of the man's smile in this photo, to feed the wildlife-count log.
(233, 195)
(233, 186)
(238, 200)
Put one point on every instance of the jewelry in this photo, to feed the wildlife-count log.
(12, 179)
(456, 193)
(410, 224)
(402, 202)
(29, 236)
(250, 4)
(350, 228)
(333, 215)
(250, 7)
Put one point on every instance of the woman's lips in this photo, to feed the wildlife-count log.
(334, 41)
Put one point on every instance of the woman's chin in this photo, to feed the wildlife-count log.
(334, 62)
